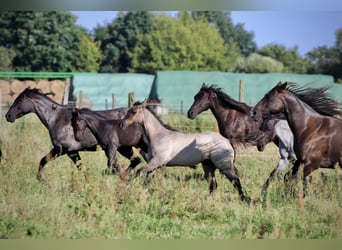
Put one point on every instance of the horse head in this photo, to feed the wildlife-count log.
(134, 115)
(271, 103)
(22, 105)
(202, 101)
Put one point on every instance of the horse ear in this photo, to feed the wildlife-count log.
(281, 86)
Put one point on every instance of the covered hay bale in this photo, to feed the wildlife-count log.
(17, 87)
(44, 86)
(5, 92)
(57, 88)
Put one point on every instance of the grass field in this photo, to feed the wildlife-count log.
(89, 205)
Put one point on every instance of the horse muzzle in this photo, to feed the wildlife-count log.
(191, 114)
(9, 117)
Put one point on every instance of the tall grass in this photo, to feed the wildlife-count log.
(175, 205)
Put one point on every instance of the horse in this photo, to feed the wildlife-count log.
(109, 135)
(313, 117)
(57, 119)
(235, 123)
(168, 147)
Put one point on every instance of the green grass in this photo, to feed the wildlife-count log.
(175, 205)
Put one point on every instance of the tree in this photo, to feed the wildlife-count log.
(325, 60)
(231, 34)
(182, 44)
(6, 56)
(256, 63)
(290, 58)
(42, 41)
(120, 37)
(89, 55)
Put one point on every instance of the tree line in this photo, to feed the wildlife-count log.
(145, 42)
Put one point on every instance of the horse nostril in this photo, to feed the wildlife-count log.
(190, 114)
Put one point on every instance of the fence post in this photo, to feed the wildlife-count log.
(130, 99)
(113, 101)
(241, 90)
(79, 99)
(66, 91)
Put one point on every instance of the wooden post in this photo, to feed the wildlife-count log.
(66, 91)
(130, 99)
(79, 99)
(113, 101)
(106, 103)
(241, 90)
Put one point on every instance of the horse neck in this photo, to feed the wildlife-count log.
(93, 122)
(297, 113)
(152, 125)
(46, 110)
(227, 113)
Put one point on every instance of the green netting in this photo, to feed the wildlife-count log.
(177, 88)
(100, 87)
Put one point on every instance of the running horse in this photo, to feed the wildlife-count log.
(168, 147)
(313, 118)
(57, 119)
(109, 135)
(235, 123)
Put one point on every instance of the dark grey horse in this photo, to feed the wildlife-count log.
(109, 134)
(57, 119)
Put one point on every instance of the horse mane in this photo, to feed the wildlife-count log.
(317, 98)
(157, 117)
(226, 100)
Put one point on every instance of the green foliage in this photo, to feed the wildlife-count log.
(325, 60)
(175, 205)
(233, 35)
(42, 41)
(290, 58)
(256, 63)
(6, 56)
(89, 55)
(120, 37)
(181, 44)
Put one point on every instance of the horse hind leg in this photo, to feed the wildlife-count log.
(209, 174)
(53, 154)
(282, 166)
(229, 172)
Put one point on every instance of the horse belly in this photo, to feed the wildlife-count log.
(187, 157)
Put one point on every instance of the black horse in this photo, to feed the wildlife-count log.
(57, 119)
(110, 136)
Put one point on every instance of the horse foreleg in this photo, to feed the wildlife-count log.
(76, 158)
(53, 154)
(282, 166)
(291, 182)
(149, 169)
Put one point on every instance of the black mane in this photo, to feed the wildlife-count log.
(317, 98)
